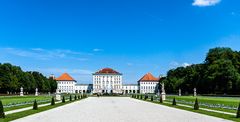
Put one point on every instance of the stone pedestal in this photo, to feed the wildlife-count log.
(21, 91)
(163, 94)
(36, 92)
(179, 92)
(195, 92)
(58, 95)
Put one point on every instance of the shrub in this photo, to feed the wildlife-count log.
(151, 98)
(196, 106)
(75, 98)
(146, 97)
(35, 105)
(70, 98)
(174, 101)
(63, 99)
(141, 97)
(53, 101)
(78, 96)
(238, 111)
(2, 114)
(161, 100)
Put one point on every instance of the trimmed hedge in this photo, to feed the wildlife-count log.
(151, 98)
(53, 101)
(2, 114)
(63, 99)
(174, 101)
(238, 111)
(196, 106)
(161, 100)
(75, 97)
(35, 105)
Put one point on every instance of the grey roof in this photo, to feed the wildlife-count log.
(84, 84)
(130, 84)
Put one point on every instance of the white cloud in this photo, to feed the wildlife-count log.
(97, 50)
(185, 64)
(203, 3)
(44, 54)
(67, 70)
(175, 64)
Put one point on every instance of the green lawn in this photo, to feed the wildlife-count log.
(226, 101)
(20, 99)
(18, 115)
(224, 116)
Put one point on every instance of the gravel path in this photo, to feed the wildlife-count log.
(116, 109)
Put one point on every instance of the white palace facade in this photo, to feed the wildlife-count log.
(108, 80)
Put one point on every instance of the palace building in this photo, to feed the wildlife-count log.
(108, 80)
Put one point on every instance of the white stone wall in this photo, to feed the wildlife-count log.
(148, 86)
(83, 88)
(66, 86)
(107, 83)
(128, 89)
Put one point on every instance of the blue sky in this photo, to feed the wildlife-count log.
(131, 36)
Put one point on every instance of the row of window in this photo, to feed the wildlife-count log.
(111, 82)
(114, 87)
(147, 91)
(148, 87)
(149, 83)
(65, 82)
(107, 77)
(65, 87)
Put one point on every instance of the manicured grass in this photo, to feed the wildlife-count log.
(22, 106)
(18, 99)
(226, 101)
(18, 115)
(219, 115)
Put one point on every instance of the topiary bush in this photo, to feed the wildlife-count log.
(196, 106)
(161, 100)
(63, 99)
(35, 105)
(141, 97)
(174, 101)
(70, 98)
(151, 98)
(238, 111)
(2, 114)
(75, 98)
(78, 96)
(53, 101)
(146, 97)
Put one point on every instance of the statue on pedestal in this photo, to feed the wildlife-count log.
(36, 92)
(195, 92)
(179, 92)
(21, 91)
(163, 94)
(58, 95)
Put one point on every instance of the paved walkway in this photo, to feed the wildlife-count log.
(117, 109)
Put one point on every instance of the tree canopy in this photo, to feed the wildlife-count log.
(12, 78)
(218, 74)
